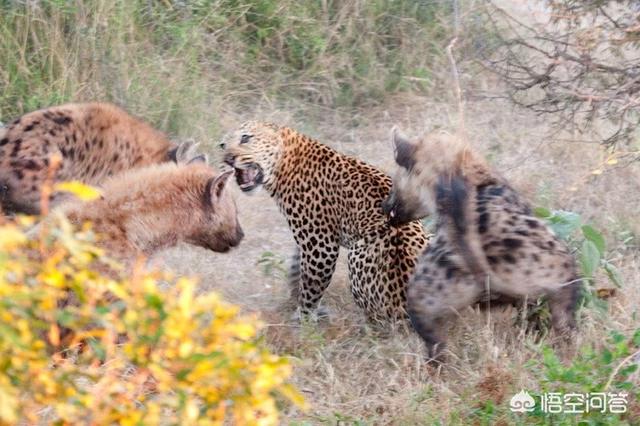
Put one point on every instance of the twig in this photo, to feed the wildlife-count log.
(456, 85)
(619, 366)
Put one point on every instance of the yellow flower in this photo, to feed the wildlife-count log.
(80, 190)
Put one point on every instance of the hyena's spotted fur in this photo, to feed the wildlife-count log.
(487, 238)
(93, 140)
(144, 210)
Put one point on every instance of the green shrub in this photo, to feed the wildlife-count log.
(611, 368)
(83, 342)
(590, 247)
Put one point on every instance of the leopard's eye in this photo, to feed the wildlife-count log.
(245, 139)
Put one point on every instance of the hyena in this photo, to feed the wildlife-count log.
(93, 141)
(144, 210)
(486, 239)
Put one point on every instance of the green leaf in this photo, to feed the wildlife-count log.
(64, 317)
(563, 223)
(613, 274)
(541, 212)
(154, 301)
(595, 237)
(636, 338)
(98, 349)
(102, 310)
(617, 337)
(625, 386)
(624, 372)
(589, 258)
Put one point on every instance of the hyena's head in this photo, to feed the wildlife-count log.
(253, 150)
(213, 223)
(422, 164)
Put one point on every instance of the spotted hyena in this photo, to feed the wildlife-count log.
(145, 210)
(486, 239)
(93, 141)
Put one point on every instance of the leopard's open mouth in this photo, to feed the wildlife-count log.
(249, 177)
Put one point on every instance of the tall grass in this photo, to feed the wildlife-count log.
(178, 63)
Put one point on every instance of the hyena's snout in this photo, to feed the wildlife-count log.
(391, 209)
(239, 235)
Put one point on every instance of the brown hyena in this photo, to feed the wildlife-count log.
(486, 238)
(94, 141)
(144, 210)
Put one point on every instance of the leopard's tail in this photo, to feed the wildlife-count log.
(294, 275)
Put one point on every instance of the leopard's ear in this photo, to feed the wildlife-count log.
(403, 150)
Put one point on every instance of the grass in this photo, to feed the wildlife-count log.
(344, 72)
(183, 65)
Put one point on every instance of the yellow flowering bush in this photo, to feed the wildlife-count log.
(84, 342)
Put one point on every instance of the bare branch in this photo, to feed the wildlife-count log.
(582, 68)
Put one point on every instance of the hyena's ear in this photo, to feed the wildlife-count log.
(172, 154)
(184, 152)
(403, 150)
(202, 158)
(216, 187)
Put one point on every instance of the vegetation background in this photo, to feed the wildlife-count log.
(345, 71)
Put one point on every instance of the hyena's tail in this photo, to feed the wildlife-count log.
(456, 202)
(294, 275)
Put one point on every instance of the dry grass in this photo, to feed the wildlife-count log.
(349, 371)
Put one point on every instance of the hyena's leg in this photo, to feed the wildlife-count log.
(436, 292)
(316, 270)
(563, 304)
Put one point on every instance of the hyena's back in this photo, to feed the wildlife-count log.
(93, 140)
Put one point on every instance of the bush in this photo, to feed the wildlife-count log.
(609, 369)
(82, 342)
(591, 251)
(173, 62)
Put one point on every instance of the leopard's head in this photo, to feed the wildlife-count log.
(253, 150)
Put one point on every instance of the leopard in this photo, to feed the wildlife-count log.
(91, 141)
(330, 200)
(487, 239)
(145, 210)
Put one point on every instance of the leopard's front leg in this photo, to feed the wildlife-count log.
(317, 264)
